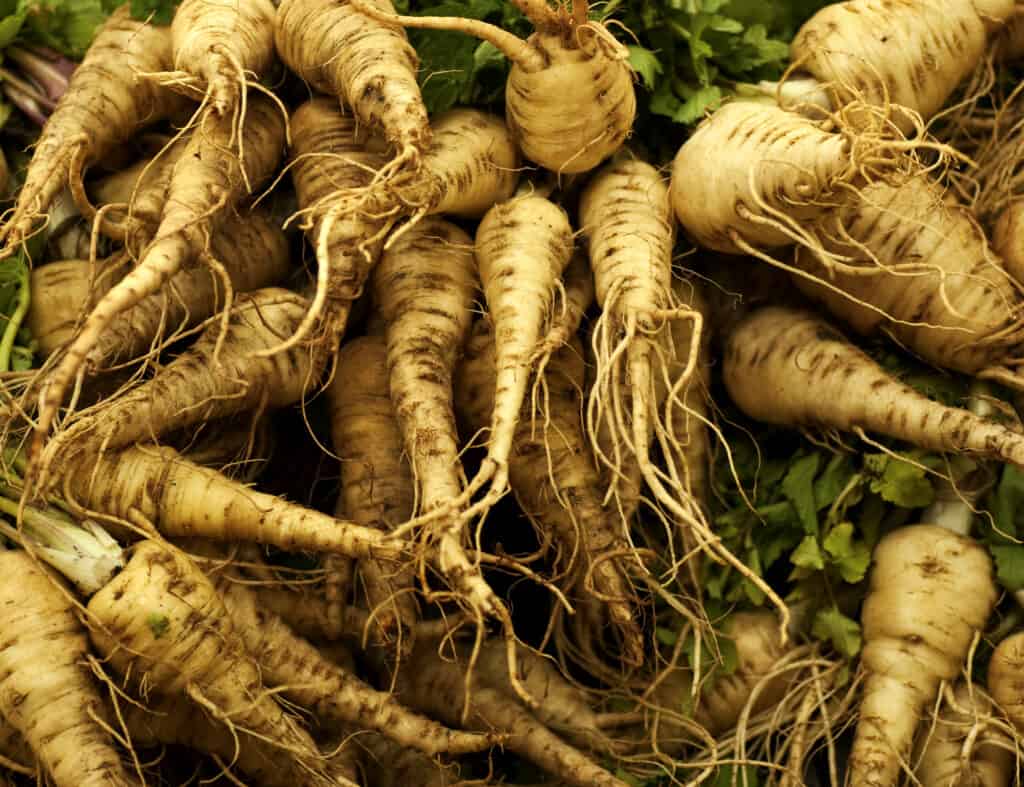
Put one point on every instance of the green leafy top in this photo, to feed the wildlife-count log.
(65, 25)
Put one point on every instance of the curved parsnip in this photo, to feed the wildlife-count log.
(1006, 677)
(931, 591)
(207, 183)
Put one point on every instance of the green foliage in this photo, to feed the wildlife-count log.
(65, 25)
(1003, 530)
(160, 12)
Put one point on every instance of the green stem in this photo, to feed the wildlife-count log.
(14, 324)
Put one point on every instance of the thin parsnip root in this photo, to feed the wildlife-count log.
(962, 747)
(47, 692)
(333, 694)
(193, 388)
(161, 625)
(753, 174)
(368, 66)
(569, 98)
(557, 486)
(103, 107)
(219, 45)
(377, 488)
(907, 260)
(907, 74)
(931, 592)
(182, 499)
(207, 183)
(1006, 678)
(787, 366)
(436, 685)
(328, 157)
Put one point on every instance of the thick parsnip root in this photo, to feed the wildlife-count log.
(194, 389)
(962, 748)
(330, 692)
(557, 486)
(752, 175)
(327, 157)
(437, 686)
(47, 692)
(569, 98)
(377, 488)
(207, 183)
(391, 765)
(369, 66)
(931, 593)
(916, 265)
(182, 499)
(1006, 678)
(219, 45)
(252, 251)
(789, 367)
(103, 107)
(425, 287)
(906, 74)
(161, 624)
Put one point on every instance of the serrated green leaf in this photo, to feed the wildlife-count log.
(645, 63)
(798, 487)
(808, 554)
(833, 626)
(1009, 565)
(899, 482)
(850, 556)
(837, 474)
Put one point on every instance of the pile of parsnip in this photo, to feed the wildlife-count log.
(519, 347)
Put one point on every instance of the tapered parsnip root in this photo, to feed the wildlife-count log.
(906, 74)
(436, 685)
(916, 265)
(753, 175)
(194, 389)
(522, 248)
(1006, 678)
(569, 100)
(327, 158)
(557, 486)
(333, 694)
(103, 107)
(182, 499)
(389, 765)
(161, 624)
(931, 592)
(377, 488)
(787, 366)
(47, 692)
(963, 746)
(425, 287)
(251, 250)
(207, 183)
(369, 66)
(219, 45)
